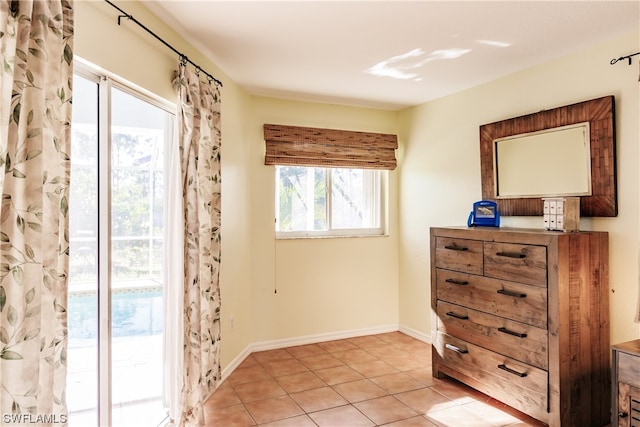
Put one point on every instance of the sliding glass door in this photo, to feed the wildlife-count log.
(116, 283)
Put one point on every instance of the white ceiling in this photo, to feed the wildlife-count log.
(387, 54)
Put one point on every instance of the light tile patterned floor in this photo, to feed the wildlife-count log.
(373, 380)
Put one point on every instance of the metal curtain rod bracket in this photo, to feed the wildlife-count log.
(183, 58)
(614, 60)
(123, 16)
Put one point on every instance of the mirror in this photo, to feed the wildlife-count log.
(552, 162)
(599, 114)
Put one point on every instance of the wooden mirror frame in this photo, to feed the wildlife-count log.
(600, 115)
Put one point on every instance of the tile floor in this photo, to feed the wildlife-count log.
(372, 380)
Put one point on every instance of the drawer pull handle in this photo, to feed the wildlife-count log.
(511, 254)
(456, 349)
(511, 371)
(511, 293)
(456, 248)
(457, 316)
(457, 282)
(515, 334)
(622, 414)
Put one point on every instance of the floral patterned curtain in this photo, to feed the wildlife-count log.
(199, 140)
(36, 45)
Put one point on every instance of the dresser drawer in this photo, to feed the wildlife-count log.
(516, 262)
(517, 340)
(459, 255)
(513, 382)
(629, 369)
(515, 301)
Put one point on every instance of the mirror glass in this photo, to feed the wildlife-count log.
(552, 162)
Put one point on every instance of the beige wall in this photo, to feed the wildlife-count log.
(440, 173)
(324, 285)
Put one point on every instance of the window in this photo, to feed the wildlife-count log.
(329, 182)
(317, 201)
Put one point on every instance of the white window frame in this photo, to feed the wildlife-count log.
(380, 187)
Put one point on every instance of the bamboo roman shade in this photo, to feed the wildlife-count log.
(302, 146)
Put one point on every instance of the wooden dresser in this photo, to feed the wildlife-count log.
(523, 316)
(626, 384)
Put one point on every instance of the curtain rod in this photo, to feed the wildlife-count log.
(183, 58)
(614, 60)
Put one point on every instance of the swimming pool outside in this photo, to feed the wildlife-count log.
(136, 351)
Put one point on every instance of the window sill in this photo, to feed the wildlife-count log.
(335, 236)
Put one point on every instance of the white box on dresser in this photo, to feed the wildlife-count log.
(523, 316)
(561, 213)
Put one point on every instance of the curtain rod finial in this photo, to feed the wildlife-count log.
(627, 57)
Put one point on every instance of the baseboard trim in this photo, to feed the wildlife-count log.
(415, 334)
(312, 339)
(235, 363)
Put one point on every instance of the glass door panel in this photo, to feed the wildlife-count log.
(139, 131)
(116, 284)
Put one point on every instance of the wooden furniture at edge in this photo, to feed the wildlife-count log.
(523, 316)
(626, 384)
